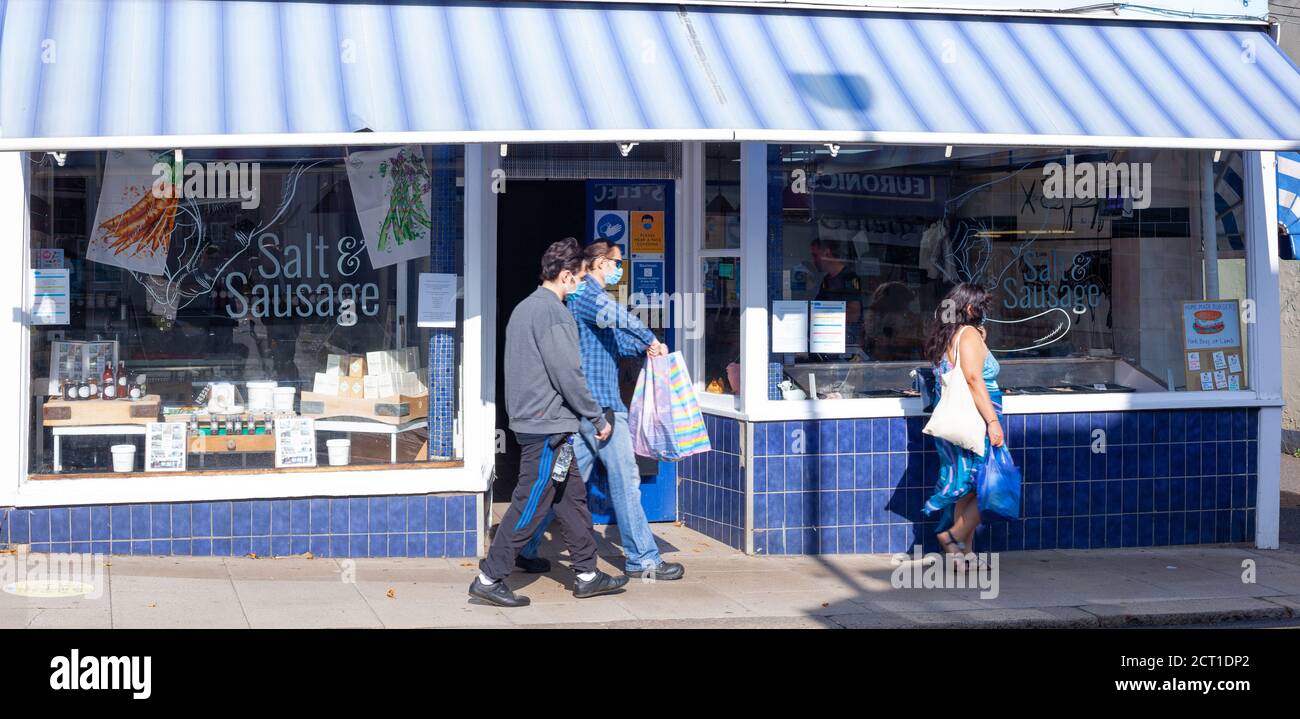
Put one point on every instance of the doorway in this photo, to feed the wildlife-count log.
(530, 216)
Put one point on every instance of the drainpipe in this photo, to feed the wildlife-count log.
(1209, 227)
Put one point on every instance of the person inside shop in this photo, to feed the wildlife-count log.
(956, 338)
(608, 333)
(840, 283)
(546, 395)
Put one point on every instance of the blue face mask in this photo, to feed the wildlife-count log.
(613, 277)
(582, 285)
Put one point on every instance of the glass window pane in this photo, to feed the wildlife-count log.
(1089, 256)
(257, 275)
(722, 325)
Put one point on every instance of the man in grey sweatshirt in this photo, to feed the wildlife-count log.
(546, 394)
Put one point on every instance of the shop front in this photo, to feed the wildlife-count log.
(258, 305)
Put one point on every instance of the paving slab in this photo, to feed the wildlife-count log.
(1185, 611)
(422, 604)
(144, 602)
(1025, 618)
(305, 604)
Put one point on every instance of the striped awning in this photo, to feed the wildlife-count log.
(144, 70)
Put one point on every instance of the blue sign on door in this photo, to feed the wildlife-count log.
(647, 277)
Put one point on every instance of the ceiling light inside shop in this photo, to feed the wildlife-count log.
(624, 148)
(504, 149)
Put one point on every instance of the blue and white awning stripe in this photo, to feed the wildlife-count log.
(1288, 191)
(483, 71)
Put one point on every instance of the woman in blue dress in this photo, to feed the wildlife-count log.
(957, 338)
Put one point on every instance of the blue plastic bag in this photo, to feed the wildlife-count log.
(997, 486)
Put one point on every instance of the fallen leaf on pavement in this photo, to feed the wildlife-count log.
(390, 593)
(151, 605)
(308, 555)
(251, 555)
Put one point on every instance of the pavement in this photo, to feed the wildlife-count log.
(722, 588)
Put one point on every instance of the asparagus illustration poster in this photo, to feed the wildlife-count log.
(133, 224)
(391, 190)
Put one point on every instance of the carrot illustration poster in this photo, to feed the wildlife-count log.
(133, 223)
(392, 192)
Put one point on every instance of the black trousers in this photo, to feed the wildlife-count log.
(533, 496)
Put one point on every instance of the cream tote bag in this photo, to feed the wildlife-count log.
(955, 418)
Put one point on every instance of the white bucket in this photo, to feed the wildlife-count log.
(284, 399)
(340, 451)
(123, 457)
(261, 396)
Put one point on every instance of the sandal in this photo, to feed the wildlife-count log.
(958, 558)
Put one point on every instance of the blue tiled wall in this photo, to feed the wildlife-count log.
(711, 485)
(857, 486)
(446, 238)
(434, 525)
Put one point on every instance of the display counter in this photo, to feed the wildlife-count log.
(1023, 376)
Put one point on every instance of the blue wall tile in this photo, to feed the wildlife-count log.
(1157, 468)
(261, 527)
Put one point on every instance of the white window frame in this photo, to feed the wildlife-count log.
(17, 489)
(757, 408)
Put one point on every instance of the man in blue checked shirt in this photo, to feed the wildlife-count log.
(606, 334)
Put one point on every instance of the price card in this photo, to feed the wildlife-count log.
(1207, 381)
(1194, 361)
(164, 447)
(1234, 382)
(1220, 379)
(1234, 363)
(1219, 361)
(295, 442)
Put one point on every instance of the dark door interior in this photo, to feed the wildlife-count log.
(531, 214)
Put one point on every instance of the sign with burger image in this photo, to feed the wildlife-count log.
(1212, 341)
(1214, 324)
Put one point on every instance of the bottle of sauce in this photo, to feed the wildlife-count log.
(108, 383)
(122, 381)
(92, 386)
(83, 389)
(134, 389)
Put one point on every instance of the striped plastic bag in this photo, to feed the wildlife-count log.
(665, 416)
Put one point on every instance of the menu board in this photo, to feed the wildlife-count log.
(295, 442)
(1213, 354)
(164, 447)
(827, 330)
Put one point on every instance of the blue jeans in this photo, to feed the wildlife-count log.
(616, 455)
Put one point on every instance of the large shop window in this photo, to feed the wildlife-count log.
(720, 267)
(245, 310)
(1101, 278)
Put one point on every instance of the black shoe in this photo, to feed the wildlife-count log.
(498, 594)
(535, 565)
(664, 571)
(600, 584)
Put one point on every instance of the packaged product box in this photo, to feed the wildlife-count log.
(351, 387)
(337, 365)
(357, 366)
(324, 383)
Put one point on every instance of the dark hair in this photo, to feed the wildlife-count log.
(968, 303)
(595, 251)
(842, 250)
(561, 256)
